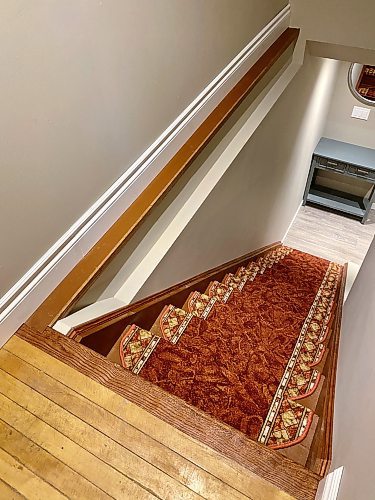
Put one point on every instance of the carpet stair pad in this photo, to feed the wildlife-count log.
(248, 350)
(171, 323)
(199, 304)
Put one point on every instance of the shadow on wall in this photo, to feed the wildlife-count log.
(307, 134)
(354, 437)
(257, 198)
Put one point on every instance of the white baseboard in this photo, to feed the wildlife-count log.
(292, 222)
(30, 291)
(95, 310)
(332, 484)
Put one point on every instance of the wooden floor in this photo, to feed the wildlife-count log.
(331, 236)
(65, 435)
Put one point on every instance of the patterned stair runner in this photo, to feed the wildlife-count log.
(287, 422)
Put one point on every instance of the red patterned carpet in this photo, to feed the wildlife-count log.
(246, 351)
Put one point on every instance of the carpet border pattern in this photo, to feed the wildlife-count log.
(274, 431)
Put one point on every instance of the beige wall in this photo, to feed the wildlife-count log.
(354, 436)
(255, 201)
(340, 125)
(342, 22)
(86, 86)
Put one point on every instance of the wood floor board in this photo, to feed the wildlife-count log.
(96, 442)
(26, 482)
(117, 429)
(331, 235)
(198, 454)
(87, 465)
(9, 493)
(46, 466)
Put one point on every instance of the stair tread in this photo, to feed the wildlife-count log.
(299, 452)
(171, 323)
(199, 304)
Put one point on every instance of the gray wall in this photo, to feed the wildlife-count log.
(354, 436)
(342, 22)
(255, 201)
(340, 125)
(86, 87)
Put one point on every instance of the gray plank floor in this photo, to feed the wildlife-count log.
(331, 236)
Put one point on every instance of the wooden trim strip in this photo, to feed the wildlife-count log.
(75, 283)
(258, 459)
(320, 455)
(109, 327)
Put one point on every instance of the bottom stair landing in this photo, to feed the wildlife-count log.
(250, 350)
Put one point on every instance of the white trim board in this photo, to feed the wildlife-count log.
(28, 293)
(332, 484)
(292, 222)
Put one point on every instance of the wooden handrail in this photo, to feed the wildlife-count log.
(90, 266)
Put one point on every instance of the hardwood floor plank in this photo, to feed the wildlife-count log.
(330, 235)
(8, 493)
(204, 457)
(115, 455)
(120, 431)
(93, 469)
(46, 466)
(24, 481)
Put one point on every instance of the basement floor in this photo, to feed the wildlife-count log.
(330, 235)
(333, 237)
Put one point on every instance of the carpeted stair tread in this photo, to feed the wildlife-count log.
(133, 348)
(299, 452)
(235, 282)
(303, 383)
(199, 304)
(220, 291)
(171, 323)
(311, 400)
(319, 365)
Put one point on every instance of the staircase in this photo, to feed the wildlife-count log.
(251, 350)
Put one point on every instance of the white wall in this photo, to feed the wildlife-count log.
(255, 201)
(86, 86)
(340, 125)
(354, 436)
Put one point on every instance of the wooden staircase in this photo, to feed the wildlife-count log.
(164, 317)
